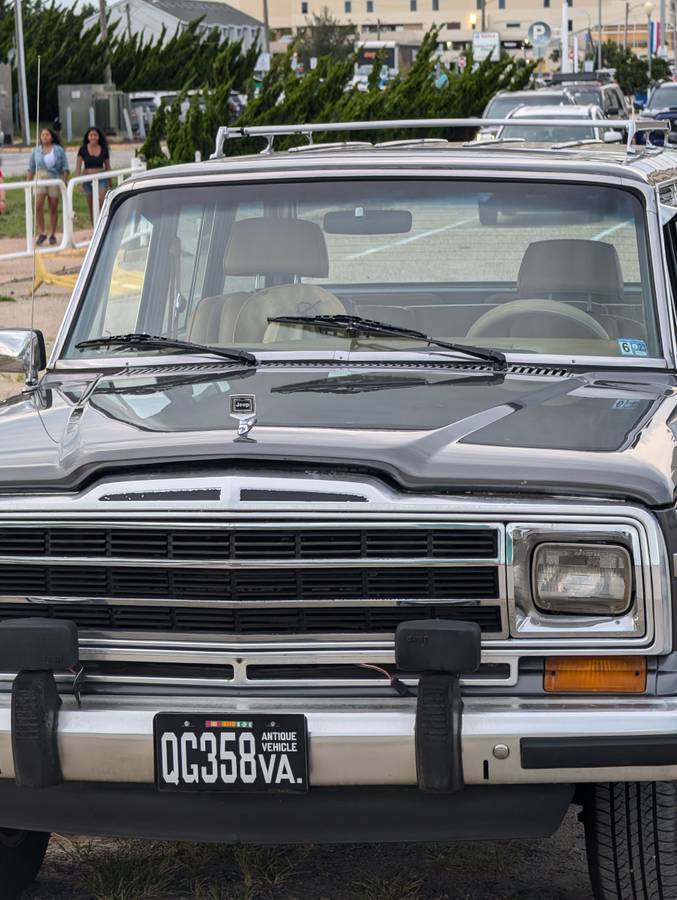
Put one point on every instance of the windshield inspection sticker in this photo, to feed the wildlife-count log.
(632, 347)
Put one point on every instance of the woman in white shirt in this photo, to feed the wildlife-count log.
(48, 161)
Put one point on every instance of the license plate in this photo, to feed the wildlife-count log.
(229, 752)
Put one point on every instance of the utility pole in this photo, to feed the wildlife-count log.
(662, 50)
(625, 30)
(484, 15)
(107, 75)
(649, 41)
(599, 34)
(564, 64)
(266, 28)
(21, 72)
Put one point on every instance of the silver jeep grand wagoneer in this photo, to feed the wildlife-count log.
(344, 508)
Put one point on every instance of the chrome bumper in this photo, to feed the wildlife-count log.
(370, 742)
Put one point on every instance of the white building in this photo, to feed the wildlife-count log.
(147, 18)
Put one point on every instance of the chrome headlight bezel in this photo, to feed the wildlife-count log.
(528, 620)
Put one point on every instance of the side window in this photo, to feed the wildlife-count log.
(125, 288)
(188, 256)
(670, 240)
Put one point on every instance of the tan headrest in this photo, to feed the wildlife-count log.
(274, 246)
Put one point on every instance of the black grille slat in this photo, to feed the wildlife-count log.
(251, 543)
(296, 620)
(398, 583)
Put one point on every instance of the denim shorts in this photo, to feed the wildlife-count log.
(104, 185)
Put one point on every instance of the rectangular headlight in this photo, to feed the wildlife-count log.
(583, 579)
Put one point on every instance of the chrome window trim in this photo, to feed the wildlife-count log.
(446, 169)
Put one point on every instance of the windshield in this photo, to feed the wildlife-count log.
(545, 134)
(664, 97)
(555, 268)
(587, 97)
(501, 106)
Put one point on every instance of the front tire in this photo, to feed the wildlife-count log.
(21, 855)
(631, 840)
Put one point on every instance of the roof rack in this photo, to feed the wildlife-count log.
(270, 132)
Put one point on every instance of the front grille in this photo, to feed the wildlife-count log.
(275, 582)
(254, 621)
(393, 583)
(206, 543)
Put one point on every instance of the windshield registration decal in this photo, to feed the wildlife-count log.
(632, 347)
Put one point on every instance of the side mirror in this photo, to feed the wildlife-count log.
(22, 350)
(612, 137)
(613, 111)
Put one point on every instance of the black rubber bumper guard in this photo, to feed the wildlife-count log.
(35, 649)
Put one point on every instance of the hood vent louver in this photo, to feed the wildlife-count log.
(221, 368)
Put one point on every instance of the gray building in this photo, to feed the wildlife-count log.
(148, 17)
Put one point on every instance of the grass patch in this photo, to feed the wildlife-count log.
(148, 870)
(5, 298)
(123, 870)
(13, 222)
(396, 887)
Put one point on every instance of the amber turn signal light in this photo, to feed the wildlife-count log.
(595, 674)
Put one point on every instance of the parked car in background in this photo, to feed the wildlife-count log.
(527, 130)
(504, 102)
(607, 96)
(662, 105)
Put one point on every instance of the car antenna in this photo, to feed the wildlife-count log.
(30, 382)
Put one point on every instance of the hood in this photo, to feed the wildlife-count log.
(428, 428)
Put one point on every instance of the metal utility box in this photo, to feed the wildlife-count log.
(83, 105)
(6, 112)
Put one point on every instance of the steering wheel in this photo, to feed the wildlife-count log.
(568, 320)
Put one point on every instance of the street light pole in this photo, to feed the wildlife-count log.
(625, 30)
(484, 15)
(21, 72)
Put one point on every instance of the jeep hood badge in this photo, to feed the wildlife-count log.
(243, 408)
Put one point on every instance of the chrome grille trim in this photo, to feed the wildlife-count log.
(384, 505)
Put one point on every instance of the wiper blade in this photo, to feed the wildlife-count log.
(354, 326)
(157, 342)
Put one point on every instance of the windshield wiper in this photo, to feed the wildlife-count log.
(157, 342)
(354, 326)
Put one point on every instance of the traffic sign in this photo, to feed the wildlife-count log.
(540, 34)
(486, 44)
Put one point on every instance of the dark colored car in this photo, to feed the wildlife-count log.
(662, 105)
(337, 515)
(607, 96)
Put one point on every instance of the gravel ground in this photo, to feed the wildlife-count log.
(551, 869)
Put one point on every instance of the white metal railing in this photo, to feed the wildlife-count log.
(29, 187)
(67, 197)
(93, 178)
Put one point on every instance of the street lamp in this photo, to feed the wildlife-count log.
(484, 13)
(648, 9)
(628, 10)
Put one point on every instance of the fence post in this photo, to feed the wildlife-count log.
(28, 205)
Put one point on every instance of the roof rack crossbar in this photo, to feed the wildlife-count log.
(270, 132)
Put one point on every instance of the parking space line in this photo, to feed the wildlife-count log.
(410, 240)
(608, 231)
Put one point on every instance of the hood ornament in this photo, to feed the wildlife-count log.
(243, 408)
